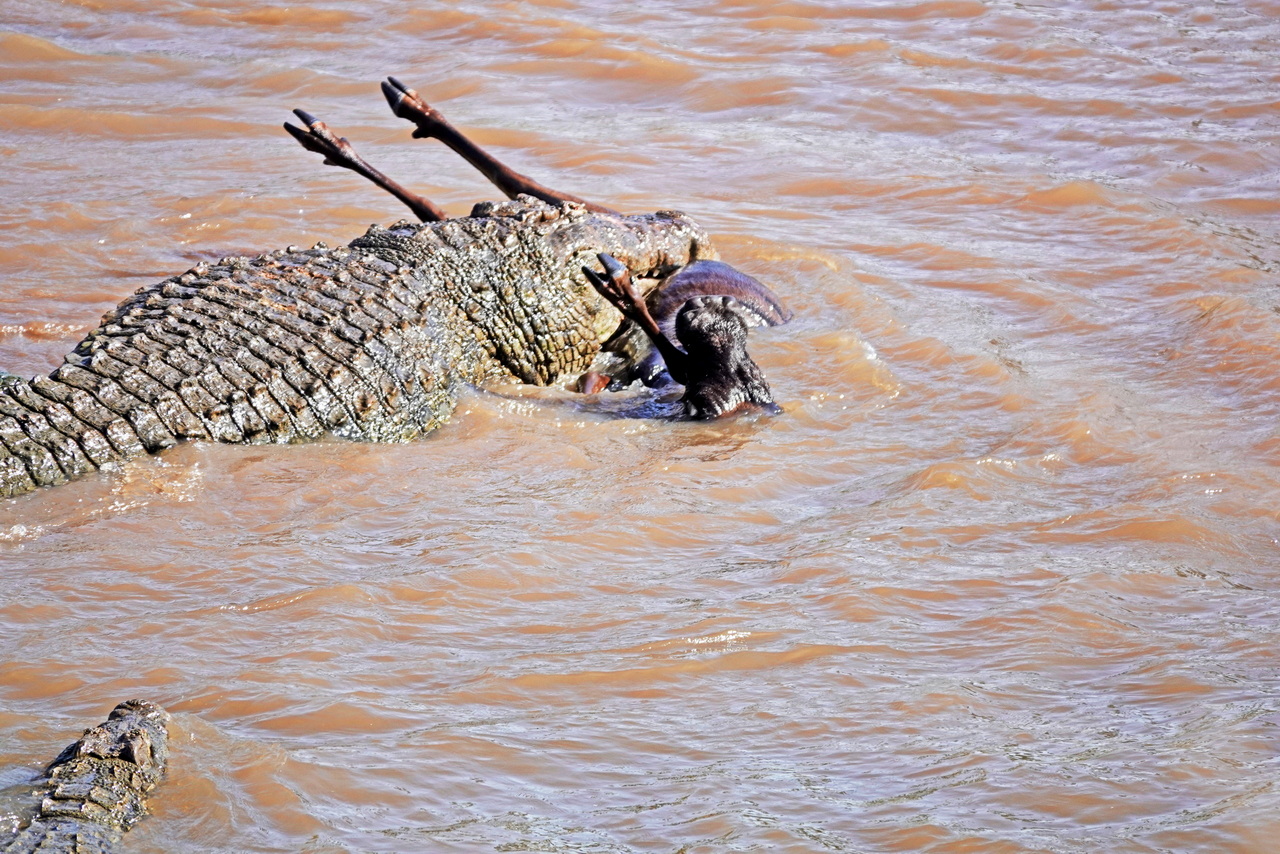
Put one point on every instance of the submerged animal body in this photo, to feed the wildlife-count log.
(96, 789)
(371, 341)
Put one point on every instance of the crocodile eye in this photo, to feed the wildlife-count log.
(137, 749)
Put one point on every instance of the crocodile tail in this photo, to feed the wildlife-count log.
(284, 347)
(82, 417)
(51, 433)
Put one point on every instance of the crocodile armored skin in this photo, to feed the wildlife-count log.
(96, 789)
(370, 341)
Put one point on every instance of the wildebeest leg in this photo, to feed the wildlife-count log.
(407, 104)
(338, 152)
(616, 287)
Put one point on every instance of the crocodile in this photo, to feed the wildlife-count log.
(96, 788)
(372, 341)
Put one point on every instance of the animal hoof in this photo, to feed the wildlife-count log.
(408, 104)
(318, 138)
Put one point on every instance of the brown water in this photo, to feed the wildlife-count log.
(1002, 578)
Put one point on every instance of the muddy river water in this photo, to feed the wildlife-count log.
(1004, 575)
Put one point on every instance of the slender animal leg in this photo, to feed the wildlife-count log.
(338, 152)
(616, 287)
(407, 104)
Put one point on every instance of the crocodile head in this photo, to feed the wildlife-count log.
(514, 269)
